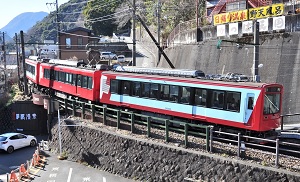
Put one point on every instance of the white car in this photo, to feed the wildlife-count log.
(108, 55)
(12, 141)
(121, 58)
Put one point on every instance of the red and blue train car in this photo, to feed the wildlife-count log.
(249, 106)
(243, 106)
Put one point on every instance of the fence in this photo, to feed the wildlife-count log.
(187, 129)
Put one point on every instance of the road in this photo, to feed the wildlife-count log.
(51, 169)
(144, 56)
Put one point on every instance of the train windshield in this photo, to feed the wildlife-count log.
(272, 103)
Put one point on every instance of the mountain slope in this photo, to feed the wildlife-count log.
(23, 22)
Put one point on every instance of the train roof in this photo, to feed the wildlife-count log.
(162, 71)
(190, 79)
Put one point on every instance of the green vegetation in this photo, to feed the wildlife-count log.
(105, 17)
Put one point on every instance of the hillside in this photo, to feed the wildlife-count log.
(23, 21)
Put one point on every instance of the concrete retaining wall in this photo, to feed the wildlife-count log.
(279, 54)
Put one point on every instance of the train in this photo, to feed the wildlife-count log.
(247, 107)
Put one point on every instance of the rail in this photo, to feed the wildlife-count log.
(108, 115)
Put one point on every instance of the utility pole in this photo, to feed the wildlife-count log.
(133, 35)
(23, 61)
(158, 29)
(4, 61)
(18, 64)
(57, 29)
(256, 52)
(197, 14)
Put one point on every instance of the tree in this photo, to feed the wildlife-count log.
(99, 16)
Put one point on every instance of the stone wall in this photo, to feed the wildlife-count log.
(144, 160)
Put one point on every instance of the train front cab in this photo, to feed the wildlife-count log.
(271, 107)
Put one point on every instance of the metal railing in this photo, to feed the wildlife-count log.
(187, 129)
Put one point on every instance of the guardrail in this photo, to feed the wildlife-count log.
(187, 129)
(150, 122)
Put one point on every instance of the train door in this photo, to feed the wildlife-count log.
(248, 106)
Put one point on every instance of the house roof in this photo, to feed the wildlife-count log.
(79, 29)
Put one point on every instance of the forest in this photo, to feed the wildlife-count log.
(105, 17)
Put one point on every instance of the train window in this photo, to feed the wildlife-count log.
(136, 89)
(114, 86)
(62, 76)
(200, 97)
(164, 92)
(145, 89)
(185, 95)
(125, 87)
(74, 78)
(79, 80)
(174, 93)
(272, 103)
(154, 90)
(233, 101)
(250, 103)
(84, 82)
(47, 73)
(90, 82)
(56, 75)
(218, 99)
(69, 78)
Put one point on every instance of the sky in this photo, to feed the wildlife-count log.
(9, 9)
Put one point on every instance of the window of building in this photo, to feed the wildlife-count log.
(68, 42)
(80, 43)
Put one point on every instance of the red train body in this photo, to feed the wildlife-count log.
(248, 106)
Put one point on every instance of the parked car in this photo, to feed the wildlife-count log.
(218, 77)
(242, 78)
(231, 76)
(12, 141)
(121, 58)
(108, 55)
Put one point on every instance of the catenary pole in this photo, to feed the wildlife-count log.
(158, 29)
(4, 60)
(133, 35)
(57, 31)
(18, 63)
(256, 52)
(23, 61)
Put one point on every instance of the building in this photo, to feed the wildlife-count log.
(48, 50)
(74, 45)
